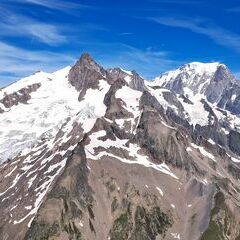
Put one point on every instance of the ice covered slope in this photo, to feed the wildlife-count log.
(35, 108)
(94, 146)
(194, 77)
(42, 115)
(212, 81)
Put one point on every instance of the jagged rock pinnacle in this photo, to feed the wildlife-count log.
(86, 73)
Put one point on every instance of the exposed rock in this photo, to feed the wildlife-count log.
(144, 163)
(148, 100)
(86, 73)
(21, 96)
(146, 224)
(137, 82)
(234, 141)
(132, 78)
(221, 80)
(222, 221)
(66, 203)
(115, 107)
(116, 74)
(172, 100)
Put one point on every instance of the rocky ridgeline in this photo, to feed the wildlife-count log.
(139, 160)
(21, 96)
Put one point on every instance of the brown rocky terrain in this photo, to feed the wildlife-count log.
(130, 163)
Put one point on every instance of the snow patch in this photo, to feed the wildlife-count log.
(176, 235)
(204, 152)
(195, 112)
(233, 97)
(133, 151)
(160, 191)
(188, 149)
(131, 99)
(211, 141)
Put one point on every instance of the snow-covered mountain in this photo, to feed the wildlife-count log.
(214, 81)
(194, 77)
(94, 153)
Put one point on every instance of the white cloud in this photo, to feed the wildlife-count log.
(233, 10)
(52, 4)
(12, 24)
(20, 62)
(220, 35)
(125, 34)
(180, 2)
(149, 62)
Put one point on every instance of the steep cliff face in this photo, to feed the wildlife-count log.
(86, 73)
(103, 154)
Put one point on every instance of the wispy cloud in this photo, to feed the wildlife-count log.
(53, 4)
(148, 62)
(125, 33)
(218, 34)
(18, 62)
(233, 10)
(12, 24)
(179, 2)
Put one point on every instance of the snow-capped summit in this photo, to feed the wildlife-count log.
(194, 77)
(77, 145)
(212, 81)
(42, 100)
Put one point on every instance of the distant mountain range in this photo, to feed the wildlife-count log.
(94, 153)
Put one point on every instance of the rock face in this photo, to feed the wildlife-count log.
(194, 76)
(103, 154)
(212, 80)
(21, 96)
(85, 73)
(221, 80)
(132, 78)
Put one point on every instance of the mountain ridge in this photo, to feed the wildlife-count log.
(96, 153)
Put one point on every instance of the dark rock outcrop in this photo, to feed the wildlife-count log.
(234, 141)
(21, 96)
(86, 73)
(134, 80)
(137, 82)
(143, 167)
(74, 198)
(221, 80)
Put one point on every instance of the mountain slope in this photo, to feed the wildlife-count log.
(211, 80)
(100, 153)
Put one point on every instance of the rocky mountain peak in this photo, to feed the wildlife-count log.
(86, 60)
(213, 81)
(190, 75)
(131, 77)
(117, 73)
(137, 82)
(201, 66)
(224, 89)
(86, 73)
(195, 78)
(96, 159)
(223, 74)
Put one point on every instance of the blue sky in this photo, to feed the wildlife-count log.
(149, 36)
